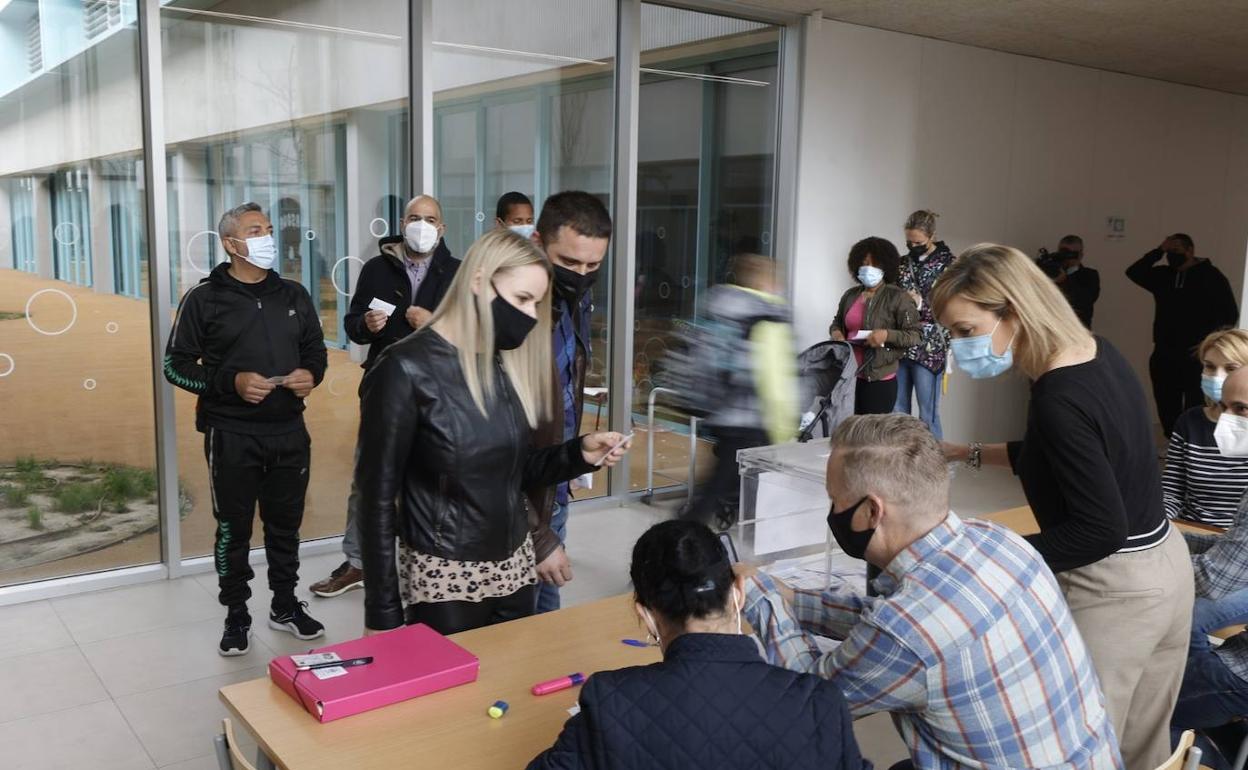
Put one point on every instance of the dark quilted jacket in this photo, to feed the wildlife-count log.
(712, 703)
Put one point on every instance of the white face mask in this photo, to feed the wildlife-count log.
(421, 236)
(261, 251)
(1232, 435)
(524, 231)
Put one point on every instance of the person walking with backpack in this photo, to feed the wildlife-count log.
(750, 376)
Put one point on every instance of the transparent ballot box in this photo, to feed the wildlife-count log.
(783, 523)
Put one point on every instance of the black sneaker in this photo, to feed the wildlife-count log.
(295, 621)
(236, 640)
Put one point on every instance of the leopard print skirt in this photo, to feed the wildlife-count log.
(425, 578)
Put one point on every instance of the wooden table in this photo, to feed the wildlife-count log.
(450, 728)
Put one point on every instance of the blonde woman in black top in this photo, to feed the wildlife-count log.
(1088, 466)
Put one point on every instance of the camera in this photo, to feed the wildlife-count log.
(1053, 263)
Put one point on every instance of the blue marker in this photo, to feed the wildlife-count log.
(635, 643)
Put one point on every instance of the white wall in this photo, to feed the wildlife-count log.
(1010, 149)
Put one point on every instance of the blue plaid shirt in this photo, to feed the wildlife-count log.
(970, 646)
(565, 340)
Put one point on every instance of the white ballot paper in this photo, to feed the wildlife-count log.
(381, 304)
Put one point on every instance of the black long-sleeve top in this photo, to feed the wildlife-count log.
(1088, 463)
(1190, 303)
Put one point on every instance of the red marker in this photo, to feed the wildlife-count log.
(555, 685)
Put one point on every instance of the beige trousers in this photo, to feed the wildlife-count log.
(1134, 611)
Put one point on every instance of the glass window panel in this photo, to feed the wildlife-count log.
(706, 158)
(457, 177)
(521, 104)
(510, 134)
(77, 449)
(301, 108)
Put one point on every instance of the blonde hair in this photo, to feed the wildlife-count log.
(470, 320)
(922, 220)
(1231, 343)
(1003, 280)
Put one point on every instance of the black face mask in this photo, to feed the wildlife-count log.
(511, 324)
(571, 285)
(852, 542)
(916, 248)
(1175, 258)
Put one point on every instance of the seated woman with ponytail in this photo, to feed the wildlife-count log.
(713, 701)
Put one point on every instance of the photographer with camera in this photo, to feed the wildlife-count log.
(1080, 285)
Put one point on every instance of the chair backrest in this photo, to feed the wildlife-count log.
(1185, 756)
(236, 757)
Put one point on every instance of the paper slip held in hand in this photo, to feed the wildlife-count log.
(382, 305)
(859, 335)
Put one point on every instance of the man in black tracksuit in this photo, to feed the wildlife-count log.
(412, 272)
(248, 343)
(1193, 298)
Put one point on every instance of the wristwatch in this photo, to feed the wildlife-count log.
(975, 458)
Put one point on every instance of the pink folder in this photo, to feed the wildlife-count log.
(407, 662)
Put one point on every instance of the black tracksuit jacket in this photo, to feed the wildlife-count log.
(225, 327)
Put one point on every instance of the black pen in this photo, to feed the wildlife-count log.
(331, 664)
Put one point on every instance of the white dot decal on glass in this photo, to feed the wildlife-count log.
(333, 391)
(766, 237)
(310, 235)
(333, 278)
(31, 321)
(189, 241)
(665, 291)
(480, 216)
(661, 232)
(88, 384)
(12, 365)
(111, 327)
(385, 228)
(685, 282)
(66, 233)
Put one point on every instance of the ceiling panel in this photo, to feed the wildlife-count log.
(1195, 42)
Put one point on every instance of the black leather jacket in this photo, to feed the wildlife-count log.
(441, 476)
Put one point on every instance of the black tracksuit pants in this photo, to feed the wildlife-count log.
(1176, 384)
(243, 470)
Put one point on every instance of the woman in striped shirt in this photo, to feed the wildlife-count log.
(1199, 483)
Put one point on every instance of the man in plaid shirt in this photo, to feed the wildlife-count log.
(969, 644)
(1214, 695)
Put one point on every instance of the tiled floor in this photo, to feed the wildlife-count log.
(127, 678)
